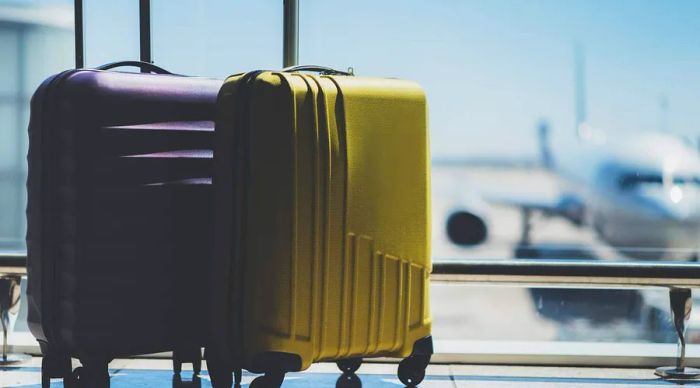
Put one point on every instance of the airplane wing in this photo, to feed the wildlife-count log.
(568, 206)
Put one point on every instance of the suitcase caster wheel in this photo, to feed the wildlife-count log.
(348, 380)
(55, 367)
(197, 367)
(221, 379)
(412, 370)
(219, 372)
(349, 365)
(88, 378)
(68, 382)
(269, 380)
(178, 382)
(75, 380)
(186, 355)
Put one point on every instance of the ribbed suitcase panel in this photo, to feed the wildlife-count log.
(268, 248)
(120, 196)
(145, 223)
(338, 207)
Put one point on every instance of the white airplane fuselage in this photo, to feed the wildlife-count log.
(641, 193)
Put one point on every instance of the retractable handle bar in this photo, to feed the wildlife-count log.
(145, 31)
(323, 70)
(146, 54)
(79, 34)
(290, 47)
(144, 66)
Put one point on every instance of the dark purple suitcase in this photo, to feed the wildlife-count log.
(119, 217)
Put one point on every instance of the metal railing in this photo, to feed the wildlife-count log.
(564, 273)
(580, 273)
(14, 262)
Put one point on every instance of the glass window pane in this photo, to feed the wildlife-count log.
(23, 140)
(9, 143)
(111, 31)
(560, 129)
(12, 178)
(11, 215)
(543, 105)
(217, 38)
(36, 40)
(9, 46)
(570, 315)
(47, 50)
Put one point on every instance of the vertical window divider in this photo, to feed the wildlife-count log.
(79, 35)
(145, 32)
(290, 39)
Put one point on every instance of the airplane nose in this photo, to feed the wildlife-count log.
(682, 204)
(684, 214)
(676, 204)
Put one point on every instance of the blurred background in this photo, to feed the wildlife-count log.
(560, 129)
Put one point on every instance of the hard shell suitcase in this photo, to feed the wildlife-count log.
(119, 216)
(322, 229)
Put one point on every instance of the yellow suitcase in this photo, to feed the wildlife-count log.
(322, 235)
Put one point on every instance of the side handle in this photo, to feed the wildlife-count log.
(317, 69)
(144, 66)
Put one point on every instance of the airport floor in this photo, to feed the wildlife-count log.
(149, 373)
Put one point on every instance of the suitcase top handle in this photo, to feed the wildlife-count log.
(142, 65)
(318, 69)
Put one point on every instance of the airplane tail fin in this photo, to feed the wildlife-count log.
(585, 133)
(546, 155)
(580, 90)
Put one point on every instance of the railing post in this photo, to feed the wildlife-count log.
(681, 305)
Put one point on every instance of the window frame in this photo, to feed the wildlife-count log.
(564, 273)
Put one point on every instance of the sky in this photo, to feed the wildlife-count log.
(492, 69)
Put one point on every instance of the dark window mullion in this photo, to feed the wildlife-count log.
(145, 32)
(79, 34)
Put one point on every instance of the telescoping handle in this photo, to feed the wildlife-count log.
(79, 35)
(144, 35)
(318, 69)
(144, 66)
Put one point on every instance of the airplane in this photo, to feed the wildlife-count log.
(640, 192)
